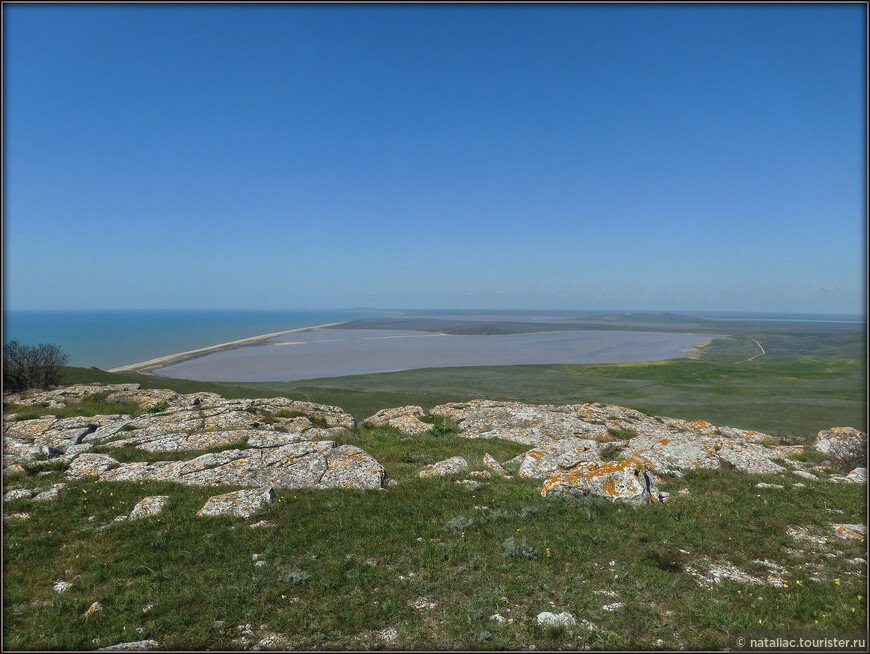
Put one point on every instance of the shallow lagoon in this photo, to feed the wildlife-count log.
(341, 352)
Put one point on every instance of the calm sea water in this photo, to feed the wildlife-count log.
(110, 339)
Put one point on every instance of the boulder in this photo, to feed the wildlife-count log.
(50, 494)
(149, 506)
(843, 444)
(243, 503)
(492, 465)
(405, 419)
(449, 466)
(625, 481)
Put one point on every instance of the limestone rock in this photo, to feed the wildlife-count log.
(848, 531)
(90, 464)
(350, 467)
(405, 419)
(243, 503)
(515, 421)
(50, 494)
(625, 481)
(93, 609)
(132, 646)
(843, 443)
(545, 460)
(449, 466)
(561, 620)
(857, 476)
(18, 493)
(149, 506)
(492, 465)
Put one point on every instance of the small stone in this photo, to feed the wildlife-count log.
(493, 465)
(259, 564)
(799, 485)
(132, 646)
(613, 607)
(449, 466)
(497, 617)
(762, 484)
(805, 474)
(62, 586)
(93, 609)
(18, 493)
(562, 620)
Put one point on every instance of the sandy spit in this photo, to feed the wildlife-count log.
(147, 367)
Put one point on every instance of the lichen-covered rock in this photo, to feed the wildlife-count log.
(672, 452)
(132, 646)
(492, 465)
(842, 443)
(149, 506)
(405, 419)
(350, 467)
(847, 531)
(243, 503)
(449, 466)
(90, 464)
(558, 621)
(515, 421)
(625, 481)
(320, 464)
(857, 476)
(172, 422)
(50, 494)
(19, 493)
(544, 460)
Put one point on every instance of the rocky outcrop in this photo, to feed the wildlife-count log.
(405, 419)
(171, 422)
(279, 442)
(320, 464)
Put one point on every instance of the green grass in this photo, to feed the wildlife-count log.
(91, 405)
(341, 565)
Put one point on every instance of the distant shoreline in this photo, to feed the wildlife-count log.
(147, 367)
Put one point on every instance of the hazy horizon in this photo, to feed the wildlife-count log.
(624, 157)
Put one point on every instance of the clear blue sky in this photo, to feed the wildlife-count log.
(652, 157)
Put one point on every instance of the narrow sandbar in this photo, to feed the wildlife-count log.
(172, 359)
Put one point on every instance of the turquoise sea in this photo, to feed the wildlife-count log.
(110, 339)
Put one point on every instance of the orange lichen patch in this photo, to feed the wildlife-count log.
(841, 529)
(700, 424)
(664, 441)
(610, 488)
